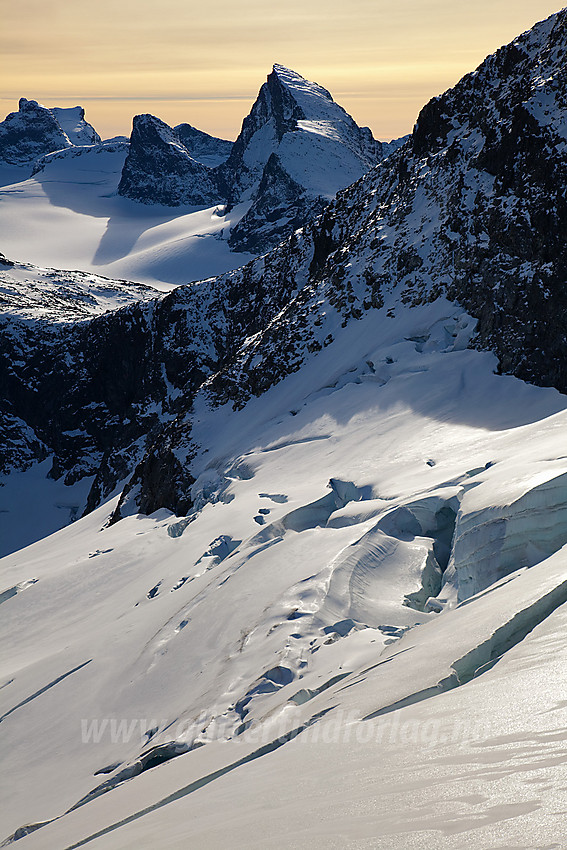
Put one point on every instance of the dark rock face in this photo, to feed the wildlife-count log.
(281, 206)
(31, 132)
(204, 148)
(160, 170)
(296, 149)
(96, 393)
(473, 207)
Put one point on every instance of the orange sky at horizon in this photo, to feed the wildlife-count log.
(202, 64)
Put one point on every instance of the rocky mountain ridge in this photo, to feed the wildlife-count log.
(35, 131)
(472, 207)
(295, 150)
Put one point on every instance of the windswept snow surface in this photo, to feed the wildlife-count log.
(68, 216)
(59, 297)
(324, 152)
(263, 642)
(33, 505)
(72, 121)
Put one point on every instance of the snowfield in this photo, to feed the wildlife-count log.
(279, 642)
(75, 220)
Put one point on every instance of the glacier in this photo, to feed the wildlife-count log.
(311, 584)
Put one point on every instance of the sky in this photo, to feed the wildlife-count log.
(204, 62)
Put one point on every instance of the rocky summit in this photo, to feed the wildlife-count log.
(160, 170)
(471, 208)
(295, 150)
(36, 131)
(30, 133)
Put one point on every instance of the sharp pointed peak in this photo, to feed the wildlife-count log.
(283, 69)
(295, 82)
(288, 75)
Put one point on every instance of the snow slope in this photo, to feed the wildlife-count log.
(72, 121)
(278, 605)
(74, 220)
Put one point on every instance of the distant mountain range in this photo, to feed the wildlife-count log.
(296, 149)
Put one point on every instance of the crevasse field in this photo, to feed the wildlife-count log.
(269, 637)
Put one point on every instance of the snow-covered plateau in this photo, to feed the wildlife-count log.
(344, 626)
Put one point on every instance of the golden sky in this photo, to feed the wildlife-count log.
(203, 62)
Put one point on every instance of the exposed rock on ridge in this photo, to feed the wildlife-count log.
(96, 393)
(159, 168)
(31, 132)
(204, 148)
(472, 207)
(295, 150)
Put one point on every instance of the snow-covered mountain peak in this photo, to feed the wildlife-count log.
(286, 104)
(296, 150)
(516, 90)
(36, 131)
(73, 123)
(31, 132)
(314, 101)
(473, 207)
(160, 169)
(305, 92)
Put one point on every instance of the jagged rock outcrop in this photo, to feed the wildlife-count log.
(473, 207)
(36, 131)
(160, 170)
(296, 149)
(31, 132)
(41, 313)
(206, 149)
